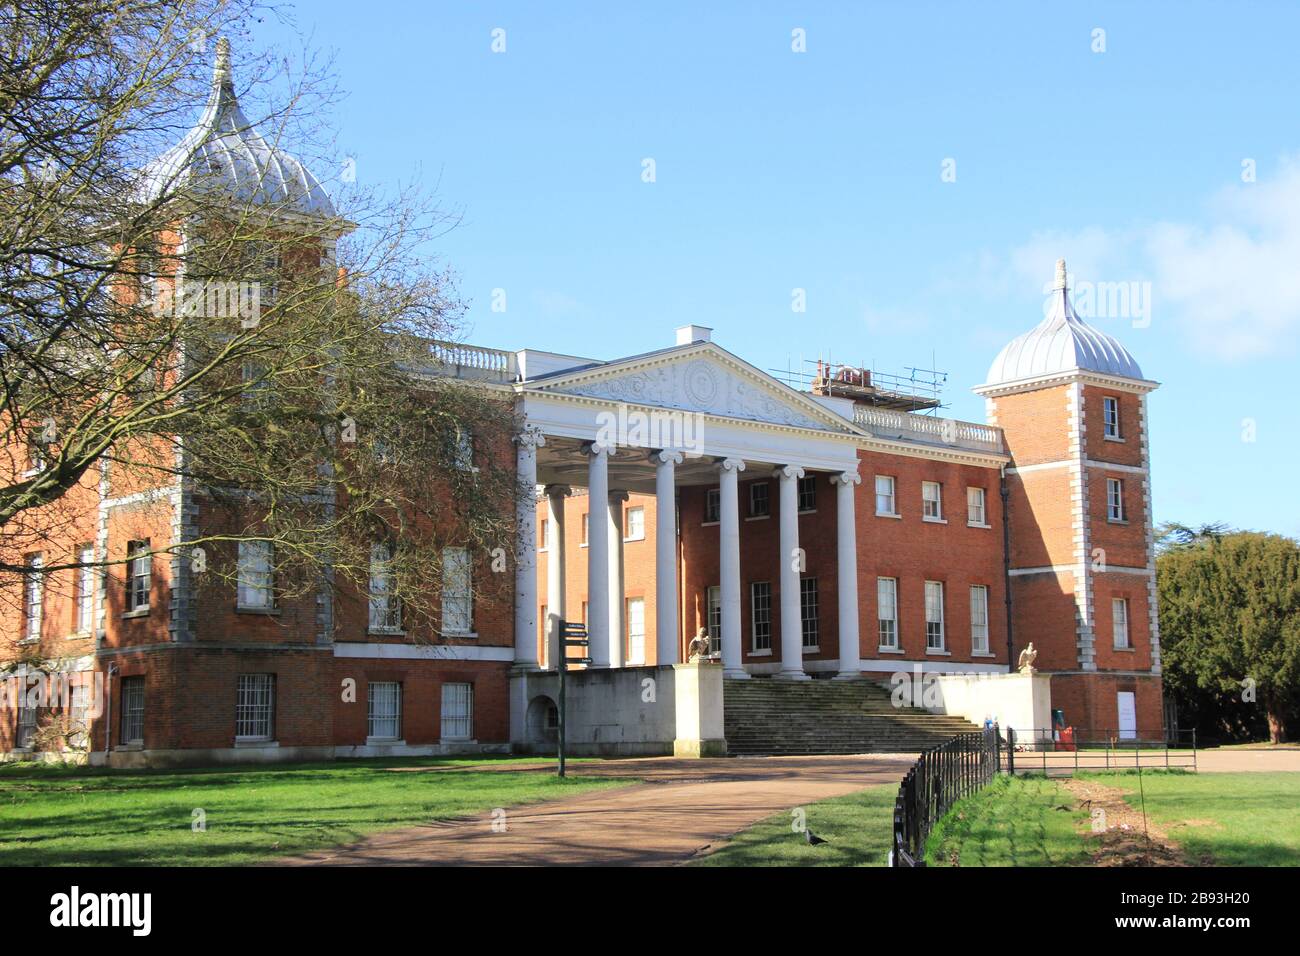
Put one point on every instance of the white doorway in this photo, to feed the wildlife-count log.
(1128, 721)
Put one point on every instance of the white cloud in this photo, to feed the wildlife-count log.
(1230, 284)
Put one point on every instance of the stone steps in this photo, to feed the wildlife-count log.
(767, 716)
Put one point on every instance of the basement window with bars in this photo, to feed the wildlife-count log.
(384, 711)
(760, 596)
(133, 710)
(457, 711)
(255, 707)
(808, 611)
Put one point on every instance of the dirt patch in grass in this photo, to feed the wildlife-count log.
(1119, 836)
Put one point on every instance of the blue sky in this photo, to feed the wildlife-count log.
(821, 170)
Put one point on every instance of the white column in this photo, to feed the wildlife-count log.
(729, 565)
(616, 628)
(846, 559)
(792, 562)
(667, 644)
(555, 610)
(598, 553)
(526, 443)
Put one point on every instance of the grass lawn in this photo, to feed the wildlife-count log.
(1223, 819)
(1226, 819)
(858, 830)
(1014, 821)
(51, 816)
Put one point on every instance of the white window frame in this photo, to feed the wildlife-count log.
(33, 597)
(809, 613)
(890, 495)
(1121, 638)
(139, 576)
(934, 626)
(636, 630)
(713, 617)
(385, 607)
(254, 577)
(457, 711)
(755, 497)
(887, 601)
(977, 515)
(712, 506)
(806, 494)
(635, 522)
(1110, 418)
(932, 505)
(133, 709)
(85, 589)
(1115, 511)
(457, 592)
(586, 527)
(979, 619)
(255, 707)
(388, 694)
(542, 532)
(26, 727)
(760, 613)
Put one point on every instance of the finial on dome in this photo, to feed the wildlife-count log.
(1060, 276)
(221, 68)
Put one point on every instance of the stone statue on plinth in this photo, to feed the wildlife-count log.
(1027, 658)
(699, 647)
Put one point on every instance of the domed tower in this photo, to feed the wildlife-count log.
(1071, 402)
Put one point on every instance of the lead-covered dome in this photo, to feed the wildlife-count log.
(226, 154)
(1061, 343)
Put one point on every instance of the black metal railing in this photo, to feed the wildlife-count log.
(939, 778)
(1065, 751)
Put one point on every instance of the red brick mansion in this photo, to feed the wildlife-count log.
(841, 531)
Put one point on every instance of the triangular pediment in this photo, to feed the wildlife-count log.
(702, 377)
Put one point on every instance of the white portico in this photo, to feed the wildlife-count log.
(691, 414)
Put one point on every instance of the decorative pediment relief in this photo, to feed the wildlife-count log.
(703, 384)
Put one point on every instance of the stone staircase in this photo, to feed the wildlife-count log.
(767, 716)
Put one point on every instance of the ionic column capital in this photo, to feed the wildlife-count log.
(558, 491)
(530, 437)
(595, 448)
(617, 496)
(846, 478)
(666, 456)
(731, 464)
(789, 472)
